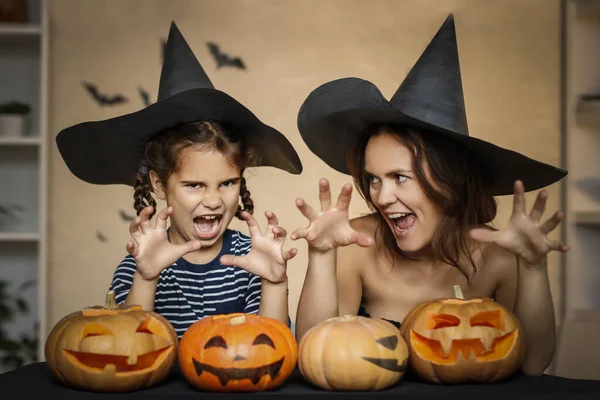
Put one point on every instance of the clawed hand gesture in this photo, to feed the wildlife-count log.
(525, 235)
(330, 227)
(150, 245)
(266, 258)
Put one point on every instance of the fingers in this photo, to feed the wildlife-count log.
(163, 216)
(231, 260)
(519, 198)
(289, 254)
(253, 227)
(539, 206)
(344, 198)
(131, 248)
(305, 209)
(558, 246)
(324, 194)
(279, 234)
(299, 234)
(362, 239)
(191, 246)
(272, 223)
(484, 235)
(551, 223)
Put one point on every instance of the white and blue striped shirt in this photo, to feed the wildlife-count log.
(187, 292)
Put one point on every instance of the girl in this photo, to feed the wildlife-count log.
(431, 188)
(190, 149)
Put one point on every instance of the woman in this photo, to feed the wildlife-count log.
(431, 188)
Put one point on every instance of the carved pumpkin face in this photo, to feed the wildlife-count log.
(458, 341)
(111, 349)
(353, 353)
(237, 353)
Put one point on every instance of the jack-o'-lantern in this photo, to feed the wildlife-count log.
(237, 352)
(111, 348)
(457, 340)
(353, 353)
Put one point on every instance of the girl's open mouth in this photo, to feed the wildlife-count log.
(207, 226)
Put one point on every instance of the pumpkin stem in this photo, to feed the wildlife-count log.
(237, 320)
(111, 301)
(457, 292)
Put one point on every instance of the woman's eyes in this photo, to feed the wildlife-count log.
(399, 177)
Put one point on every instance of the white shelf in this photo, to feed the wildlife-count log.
(20, 141)
(587, 218)
(19, 237)
(588, 111)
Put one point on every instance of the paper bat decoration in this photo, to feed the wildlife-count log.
(145, 96)
(101, 98)
(223, 59)
(101, 236)
(125, 217)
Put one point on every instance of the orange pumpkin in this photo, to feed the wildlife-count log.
(111, 348)
(353, 353)
(237, 353)
(455, 340)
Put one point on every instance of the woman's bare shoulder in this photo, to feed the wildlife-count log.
(352, 257)
(366, 224)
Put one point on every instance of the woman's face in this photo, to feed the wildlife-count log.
(396, 193)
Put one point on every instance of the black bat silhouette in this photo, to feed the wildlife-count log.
(101, 98)
(145, 96)
(223, 59)
(125, 217)
(100, 236)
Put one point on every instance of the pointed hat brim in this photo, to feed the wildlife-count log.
(429, 98)
(111, 151)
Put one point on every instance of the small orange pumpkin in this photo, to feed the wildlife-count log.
(455, 340)
(111, 348)
(352, 353)
(237, 353)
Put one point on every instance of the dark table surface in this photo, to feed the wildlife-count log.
(35, 380)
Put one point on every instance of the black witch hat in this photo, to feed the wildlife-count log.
(110, 151)
(431, 98)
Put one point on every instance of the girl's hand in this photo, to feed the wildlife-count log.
(524, 235)
(151, 247)
(330, 227)
(266, 258)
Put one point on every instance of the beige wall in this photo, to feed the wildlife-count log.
(509, 53)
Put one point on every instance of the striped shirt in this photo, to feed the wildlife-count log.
(187, 292)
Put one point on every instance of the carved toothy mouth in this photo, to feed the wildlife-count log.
(119, 364)
(469, 349)
(235, 374)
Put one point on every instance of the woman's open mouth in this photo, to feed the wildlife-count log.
(207, 226)
(402, 222)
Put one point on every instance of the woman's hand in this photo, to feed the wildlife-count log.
(266, 258)
(524, 235)
(151, 247)
(330, 227)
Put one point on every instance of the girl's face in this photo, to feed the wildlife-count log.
(204, 194)
(396, 193)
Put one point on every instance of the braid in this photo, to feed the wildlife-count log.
(142, 188)
(246, 200)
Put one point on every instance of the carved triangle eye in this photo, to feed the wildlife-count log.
(95, 329)
(389, 342)
(216, 341)
(263, 339)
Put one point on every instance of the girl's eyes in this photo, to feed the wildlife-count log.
(401, 178)
(227, 183)
(200, 185)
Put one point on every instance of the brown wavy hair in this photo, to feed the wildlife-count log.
(162, 156)
(452, 182)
